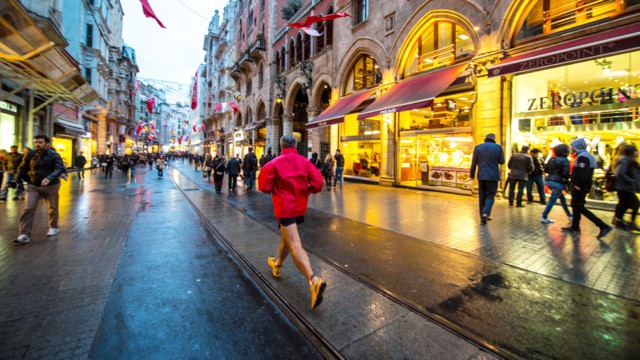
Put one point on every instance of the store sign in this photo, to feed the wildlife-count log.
(577, 99)
(9, 107)
(361, 137)
(238, 135)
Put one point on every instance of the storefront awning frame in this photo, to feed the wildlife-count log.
(413, 93)
(607, 43)
(335, 113)
(30, 59)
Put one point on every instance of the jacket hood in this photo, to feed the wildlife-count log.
(580, 145)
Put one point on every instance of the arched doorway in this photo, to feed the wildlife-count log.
(280, 130)
(325, 132)
(300, 117)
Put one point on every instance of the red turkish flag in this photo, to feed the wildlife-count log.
(150, 103)
(234, 107)
(148, 12)
(218, 107)
(194, 93)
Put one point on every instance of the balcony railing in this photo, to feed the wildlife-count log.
(257, 49)
(245, 61)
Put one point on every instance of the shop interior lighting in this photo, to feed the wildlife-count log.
(605, 64)
(463, 37)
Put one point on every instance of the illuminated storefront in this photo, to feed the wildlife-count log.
(64, 147)
(8, 118)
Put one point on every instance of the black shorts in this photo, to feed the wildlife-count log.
(288, 221)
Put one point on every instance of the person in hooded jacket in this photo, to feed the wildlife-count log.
(581, 181)
(627, 180)
(233, 170)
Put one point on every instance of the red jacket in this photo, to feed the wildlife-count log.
(289, 178)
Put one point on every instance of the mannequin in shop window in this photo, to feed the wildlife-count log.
(374, 168)
(364, 162)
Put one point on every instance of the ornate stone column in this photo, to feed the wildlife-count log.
(287, 125)
(314, 136)
(273, 136)
(387, 151)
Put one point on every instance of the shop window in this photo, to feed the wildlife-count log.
(448, 111)
(440, 44)
(550, 16)
(364, 74)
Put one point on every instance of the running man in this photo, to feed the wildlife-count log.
(289, 178)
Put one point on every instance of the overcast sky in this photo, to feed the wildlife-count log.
(173, 53)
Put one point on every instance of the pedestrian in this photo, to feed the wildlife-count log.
(249, 168)
(627, 185)
(315, 161)
(208, 167)
(196, 162)
(339, 168)
(11, 166)
(536, 177)
(218, 173)
(80, 162)
(289, 179)
(41, 169)
(327, 170)
(268, 157)
(262, 161)
(95, 162)
(240, 162)
(233, 170)
(558, 174)
(487, 157)
(520, 165)
(108, 168)
(160, 165)
(581, 181)
(125, 164)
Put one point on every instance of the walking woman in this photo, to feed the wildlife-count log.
(208, 167)
(218, 173)
(558, 172)
(160, 165)
(327, 172)
(627, 178)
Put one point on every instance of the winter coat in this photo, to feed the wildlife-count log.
(558, 170)
(520, 165)
(36, 166)
(290, 178)
(250, 163)
(12, 162)
(233, 167)
(339, 160)
(160, 164)
(486, 158)
(538, 167)
(627, 174)
(583, 166)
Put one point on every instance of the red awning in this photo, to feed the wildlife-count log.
(413, 93)
(335, 113)
(607, 43)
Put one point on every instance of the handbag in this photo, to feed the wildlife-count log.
(610, 181)
(207, 168)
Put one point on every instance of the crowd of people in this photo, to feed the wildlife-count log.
(569, 170)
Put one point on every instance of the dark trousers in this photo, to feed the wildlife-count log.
(108, 171)
(160, 172)
(233, 182)
(627, 200)
(539, 181)
(512, 188)
(486, 193)
(81, 172)
(217, 181)
(578, 202)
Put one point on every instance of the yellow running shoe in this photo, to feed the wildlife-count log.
(317, 288)
(274, 268)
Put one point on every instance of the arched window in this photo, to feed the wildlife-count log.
(320, 40)
(283, 51)
(364, 74)
(306, 47)
(298, 48)
(262, 112)
(240, 36)
(439, 44)
(328, 33)
(249, 117)
(276, 62)
(292, 53)
(551, 16)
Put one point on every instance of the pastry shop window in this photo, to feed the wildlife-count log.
(436, 160)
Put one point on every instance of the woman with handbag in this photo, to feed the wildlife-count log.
(327, 170)
(627, 181)
(558, 172)
(218, 173)
(208, 167)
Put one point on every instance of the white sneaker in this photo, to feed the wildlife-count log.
(546, 221)
(22, 239)
(52, 232)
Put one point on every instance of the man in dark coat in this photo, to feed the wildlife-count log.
(249, 167)
(535, 177)
(11, 167)
(486, 159)
(80, 161)
(233, 169)
(520, 165)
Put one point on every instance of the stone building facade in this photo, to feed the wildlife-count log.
(406, 92)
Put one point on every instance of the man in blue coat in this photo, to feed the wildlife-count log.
(486, 158)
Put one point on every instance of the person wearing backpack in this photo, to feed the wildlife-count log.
(249, 168)
(627, 184)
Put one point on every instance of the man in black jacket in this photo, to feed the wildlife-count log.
(249, 168)
(581, 181)
(233, 169)
(520, 165)
(41, 169)
(536, 178)
(80, 161)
